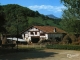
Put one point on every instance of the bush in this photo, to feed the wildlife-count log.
(73, 37)
(75, 43)
(66, 40)
(66, 47)
(8, 45)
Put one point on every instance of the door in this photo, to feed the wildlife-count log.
(35, 39)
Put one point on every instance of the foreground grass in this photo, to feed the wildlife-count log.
(23, 48)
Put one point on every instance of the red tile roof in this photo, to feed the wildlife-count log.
(49, 29)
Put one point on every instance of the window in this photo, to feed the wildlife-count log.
(32, 33)
(24, 35)
(35, 33)
(42, 34)
(54, 29)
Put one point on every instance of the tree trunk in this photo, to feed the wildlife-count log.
(3, 38)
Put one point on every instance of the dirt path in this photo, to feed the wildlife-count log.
(46, 54)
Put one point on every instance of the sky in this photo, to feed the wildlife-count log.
(45, 7)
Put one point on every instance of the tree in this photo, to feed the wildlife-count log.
(37, 13)
(2, 20)
(14, 13)
(71, 16)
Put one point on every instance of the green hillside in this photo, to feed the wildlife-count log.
(40, 21)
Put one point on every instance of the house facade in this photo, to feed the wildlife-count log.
(36, 34)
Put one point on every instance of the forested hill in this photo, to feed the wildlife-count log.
(23, 17)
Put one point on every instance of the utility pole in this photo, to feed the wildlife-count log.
(17, 32)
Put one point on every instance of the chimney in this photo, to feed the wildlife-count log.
(54, 30)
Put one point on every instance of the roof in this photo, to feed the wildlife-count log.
(48, 29)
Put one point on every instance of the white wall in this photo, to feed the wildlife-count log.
(38, 34)
(28, 34)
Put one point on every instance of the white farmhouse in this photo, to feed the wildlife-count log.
(36, 34)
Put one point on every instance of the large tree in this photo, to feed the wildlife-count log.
(71, 16)
(16, 17)
(2, 20)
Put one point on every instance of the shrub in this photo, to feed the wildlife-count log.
(73, 37)
(66, 40)
(66, 47)
(8, 45)
(75, 43)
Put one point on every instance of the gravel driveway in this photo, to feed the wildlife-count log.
(46, 54)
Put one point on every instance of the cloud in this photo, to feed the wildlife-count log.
(47, 7)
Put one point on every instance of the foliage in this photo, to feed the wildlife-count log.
(15, 16)
(67, 40)
(8, 45)
(2, 20)
(70, 15)
(65, 47)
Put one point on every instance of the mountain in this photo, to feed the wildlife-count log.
(52, 16)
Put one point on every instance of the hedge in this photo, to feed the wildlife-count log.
(66, 47)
